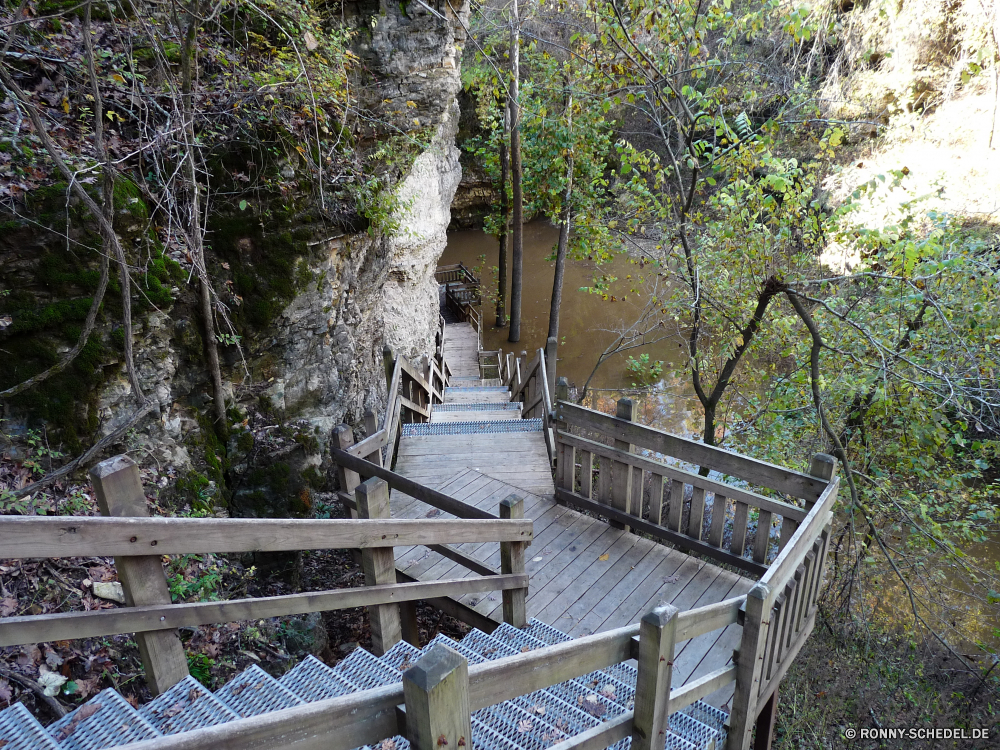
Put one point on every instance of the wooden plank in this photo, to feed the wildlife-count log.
(370, 444)
(659, 532)
(119, 493)
(720, 504)
(415, 407)
(79, 536)
(749, 666)
(752, 470)
(676, 505)
(711, 485)
(697, 689)
(696, 519)
(762, 539)
(741, 516)
(705, 619)
(602, 736)
(586, 474)
(629, 597)
(141, 619)
(656, 499)
(621, 472)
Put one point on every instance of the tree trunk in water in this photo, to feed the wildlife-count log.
(504, 219)
(561, 248)
(517, 254)
(198, 249)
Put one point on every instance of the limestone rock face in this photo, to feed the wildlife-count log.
(317, 360)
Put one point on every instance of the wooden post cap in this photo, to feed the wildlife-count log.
(111, 466)
(434, 667)
(624, 409)
(512, 501)
(660, 615)
(760, 591)
(823, 466)
(343, 436)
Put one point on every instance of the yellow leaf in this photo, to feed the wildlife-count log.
(66, 106)
(116, 77)
(604, 557)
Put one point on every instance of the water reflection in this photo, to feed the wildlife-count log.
(588, 324)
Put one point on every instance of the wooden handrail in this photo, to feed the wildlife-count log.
(85, 536)
(408, 487)
(750, 469)
(15, 631)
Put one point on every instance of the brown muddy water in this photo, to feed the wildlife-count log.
(587, 325)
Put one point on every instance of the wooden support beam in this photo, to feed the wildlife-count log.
(512, 562)
(372, 498)
(436, 691)
(119, 493)
(657, 630)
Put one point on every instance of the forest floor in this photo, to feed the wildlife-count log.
(849, 679)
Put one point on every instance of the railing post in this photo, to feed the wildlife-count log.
(621, 473)
(822, 466)
(565, 454)
(551, 351)
(749, 666)
(512, 561)
(371, 427)
(388, 364)
(379, 564)
(343, 438)
(436, 692)
(652, 688)
(120, 494)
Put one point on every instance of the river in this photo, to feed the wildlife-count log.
(587, 325)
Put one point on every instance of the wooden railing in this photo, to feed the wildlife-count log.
(636, 477)
(433, 704)
(530, 383)
(455, 272)
(139, 542)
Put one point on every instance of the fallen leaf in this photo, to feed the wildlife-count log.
(389, 744)
(82, 713)
(8, 604)
(51, 681)
(538, 709)
(53, 659)
(311, 41)
(173, 710)
(525, 725)
(671, 579)
(608, 691)
(5, 692)
(603, 557)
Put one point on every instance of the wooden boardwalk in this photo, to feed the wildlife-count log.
(585, 576)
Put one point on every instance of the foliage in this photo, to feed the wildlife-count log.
(644, 370)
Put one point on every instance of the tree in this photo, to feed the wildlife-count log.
(517, 196)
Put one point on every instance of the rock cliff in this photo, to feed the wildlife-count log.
(316, 301)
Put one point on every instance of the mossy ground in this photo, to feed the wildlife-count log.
(849, 677)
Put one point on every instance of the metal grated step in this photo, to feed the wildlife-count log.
(187, 705)
(311, 680)
(471, 428)
(255, 692)
(402, 656)
(364, 670)
(19, 730)
(106, 720)
(471, 388)
(479, 406)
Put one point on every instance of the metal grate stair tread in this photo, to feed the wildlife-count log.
(19, 730)
(418, 429)
(106, 720)
(255, 692)
(187, 705)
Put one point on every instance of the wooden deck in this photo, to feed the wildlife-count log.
(585, 576)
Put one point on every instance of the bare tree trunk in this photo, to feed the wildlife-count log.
(504, 219)
(561, 248)
(517, 255)
(195, 233)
